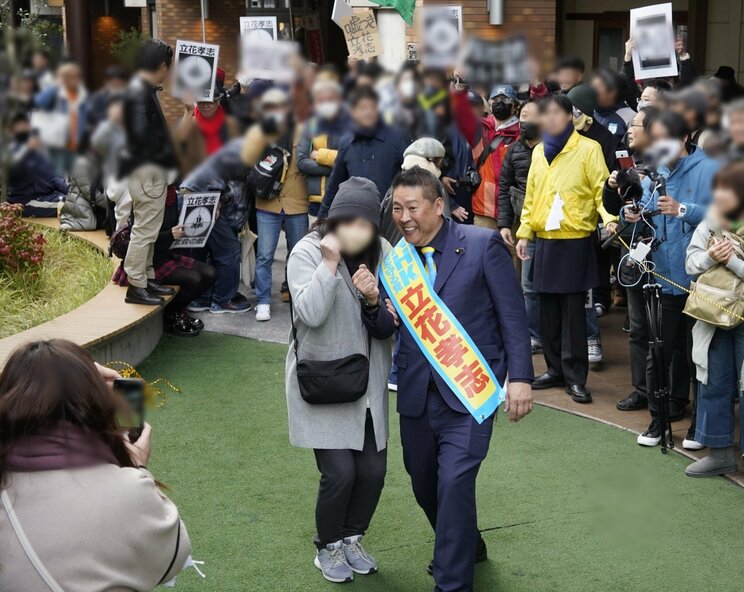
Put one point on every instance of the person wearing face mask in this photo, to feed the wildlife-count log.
(717, 247)
(282, 201)
(338, 310)
(32, 181)
(405, 112)
(318, 145)
(512, 187)
(688, 192)
(489, 137)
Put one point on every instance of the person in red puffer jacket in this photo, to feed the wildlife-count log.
(489, 137)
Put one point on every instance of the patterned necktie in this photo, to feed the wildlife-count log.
(430, 265)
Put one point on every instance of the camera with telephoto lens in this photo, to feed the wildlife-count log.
(471, 179)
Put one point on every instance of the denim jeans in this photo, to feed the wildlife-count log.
(715, 405)
(223, 246)
(269, 228)
(530, 296)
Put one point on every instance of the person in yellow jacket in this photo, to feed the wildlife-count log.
(563, 199)
(286, 203)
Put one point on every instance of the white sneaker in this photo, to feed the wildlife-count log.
(691, 445)
(594, 350)
(263, 312)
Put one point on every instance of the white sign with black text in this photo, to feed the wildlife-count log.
(441, 35)
(198, 215)
(195, 70)
(259, 28)
(652, 31)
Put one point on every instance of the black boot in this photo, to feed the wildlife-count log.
(142, 296)
(159, 289)
(179, 323)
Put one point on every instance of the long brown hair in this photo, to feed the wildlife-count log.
(46, 382)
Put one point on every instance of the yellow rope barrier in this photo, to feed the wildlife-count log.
(154, 395)
(691, 293)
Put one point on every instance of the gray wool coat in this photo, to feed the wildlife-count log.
(327, 315)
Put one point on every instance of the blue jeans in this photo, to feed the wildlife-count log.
(224, 255)
(714, 425)
(531, 301)
(269, 226)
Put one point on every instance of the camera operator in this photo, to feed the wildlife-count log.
(512, 187)
(629, 276)
(688, 178)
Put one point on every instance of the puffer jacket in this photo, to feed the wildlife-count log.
(690, 183)
(513, 182)
(78, 210)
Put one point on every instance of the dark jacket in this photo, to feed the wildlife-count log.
(513, 182)
(148, 136)
(377, 158)
(34, 183)
(476, 280)
(608, 142)
(616, 118)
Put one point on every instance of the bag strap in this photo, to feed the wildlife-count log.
(490, 149)
(26, 544)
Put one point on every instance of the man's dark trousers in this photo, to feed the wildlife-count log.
(442, 451)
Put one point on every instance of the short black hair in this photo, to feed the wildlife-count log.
(526, 102)
(116, 73)
(614, 81)
(571, 62)
(152, 53)
(673, 122)
(649, 114)
(361, 93)
(659, 84)
(418, 177)
(561, 100)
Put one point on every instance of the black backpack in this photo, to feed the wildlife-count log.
(268, 174)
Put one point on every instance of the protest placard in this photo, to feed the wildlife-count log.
(198, 215)
(269, 60)
(259, 28)
(652, 31)
(362, 36)
(195, 70)
(441, 33)
(488, 63)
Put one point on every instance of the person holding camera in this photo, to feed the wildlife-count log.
(716, 256)
(338, 313)
(687, 177)
(66, 469)
(270, 151)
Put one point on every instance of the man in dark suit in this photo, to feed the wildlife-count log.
(443, 445)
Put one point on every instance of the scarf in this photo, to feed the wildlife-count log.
(211, 129)
(66, 446)
(554, 144)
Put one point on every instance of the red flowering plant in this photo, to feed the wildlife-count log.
(21, 247)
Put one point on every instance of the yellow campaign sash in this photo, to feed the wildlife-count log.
(439, 335)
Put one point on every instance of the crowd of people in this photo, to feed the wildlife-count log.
(521, 183)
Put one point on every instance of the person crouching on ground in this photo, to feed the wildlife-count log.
(69, 473)
(337, 311)
(718, 242)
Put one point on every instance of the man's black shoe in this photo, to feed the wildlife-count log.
(632, 402)
(579, 393)
(677, 411)
(546, 381)
(159, 289)
(142, 296)
(481, 555)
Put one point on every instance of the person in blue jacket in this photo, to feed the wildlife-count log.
(689, 179)
(372, 149)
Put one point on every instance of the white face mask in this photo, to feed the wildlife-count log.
(353, 239)
(642, 104)
(665, 152)
(327, 109)
(407, 88)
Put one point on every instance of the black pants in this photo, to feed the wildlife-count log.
(563, 329)
(638, 339)
(676, 333)
(192, 282)
(350, 486)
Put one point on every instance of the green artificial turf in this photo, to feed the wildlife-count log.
(566, 504)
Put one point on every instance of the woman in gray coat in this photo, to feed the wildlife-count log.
(338, 312)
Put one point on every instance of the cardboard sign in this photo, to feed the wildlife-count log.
(198, 215)
(362, 35)
(441, 35)
(488, 63)
(195, 70)
(652, 30)
(259, 28)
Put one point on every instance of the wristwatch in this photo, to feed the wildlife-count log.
(370, 307)
(682, 211)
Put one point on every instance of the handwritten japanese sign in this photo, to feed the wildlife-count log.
(362, 35)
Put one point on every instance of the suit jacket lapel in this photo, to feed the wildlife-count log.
(454, 248)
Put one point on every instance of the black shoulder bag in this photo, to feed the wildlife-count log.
(330, 382)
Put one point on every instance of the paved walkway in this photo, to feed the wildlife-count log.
(608, 382)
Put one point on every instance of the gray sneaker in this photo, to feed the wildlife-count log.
(331, 561)
(720, 461)
(358, 559)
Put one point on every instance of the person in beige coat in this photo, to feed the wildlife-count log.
(286, 206)
(78, 509)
